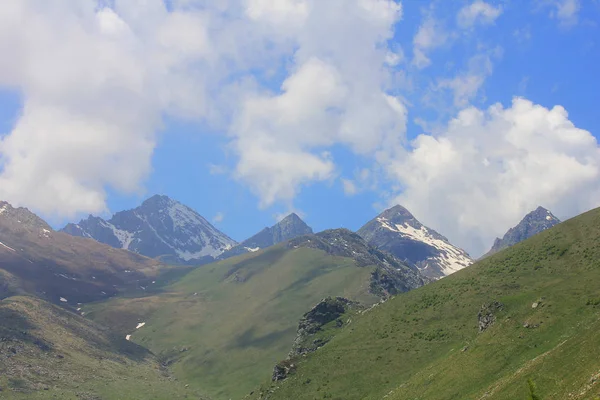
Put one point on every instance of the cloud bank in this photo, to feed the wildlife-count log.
(488, 168)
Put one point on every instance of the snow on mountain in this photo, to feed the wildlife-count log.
(159, 227)
(398, 232)
(533, 223)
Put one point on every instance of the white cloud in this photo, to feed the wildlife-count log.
(478, 12)
(96, 82)
(333, 94)
(218, 217)
(429, 36)
(567, 12)
(349, 187)
(488, 168)
(467, 84)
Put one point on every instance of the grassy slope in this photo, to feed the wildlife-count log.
(235, 319)
(47, 352)
(425, 344)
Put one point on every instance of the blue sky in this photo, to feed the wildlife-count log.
(248, 111)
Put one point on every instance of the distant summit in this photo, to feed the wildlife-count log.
(159, 227)
(535, 222)
(288, 228)
(398, 232)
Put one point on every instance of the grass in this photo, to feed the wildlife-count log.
(425, 344)
(224, 326)
(47, 352)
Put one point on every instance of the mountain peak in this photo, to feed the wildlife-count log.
(397, 231)
(158, 201)
(533, 223)
(288, 228)
(541, 213)
(159, 227)
(397, 215)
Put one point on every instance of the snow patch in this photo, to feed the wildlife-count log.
(252, 249)
(140, 325)
(549, 218)
(4, 208)
(451, 258)
(8, 247)
(127, 337)
(63, 300)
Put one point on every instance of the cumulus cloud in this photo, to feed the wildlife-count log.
(94, 82)
(429, 36)
(97, 80)
(488, 168)
(335, 93)
(478, 12)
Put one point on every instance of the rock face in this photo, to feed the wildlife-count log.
(327, 310)
(533, 223)
(487, 314)
(398, 232)
(391, 276)
(288, 228)
(160, 227)
(315, 329)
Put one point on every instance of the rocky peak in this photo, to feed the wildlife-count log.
(288, 228)
(533, 223)
(398, 232)
(159, 227)
(398, 215)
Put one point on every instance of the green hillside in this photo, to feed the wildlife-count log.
(47, 352)
(543, 297)
(223, 327)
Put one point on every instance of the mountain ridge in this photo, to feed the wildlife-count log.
(63, 269)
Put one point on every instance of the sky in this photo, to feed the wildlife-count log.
(468, 113)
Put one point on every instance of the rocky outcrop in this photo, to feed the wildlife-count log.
(316, 328)
(327, 310)
(487, 314)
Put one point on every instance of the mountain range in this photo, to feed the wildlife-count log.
(164, 228)
(220, 328)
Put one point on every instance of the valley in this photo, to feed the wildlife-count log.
(218, 330)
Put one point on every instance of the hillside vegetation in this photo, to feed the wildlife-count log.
(47, 352)
(224, 326)
(524, 320)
